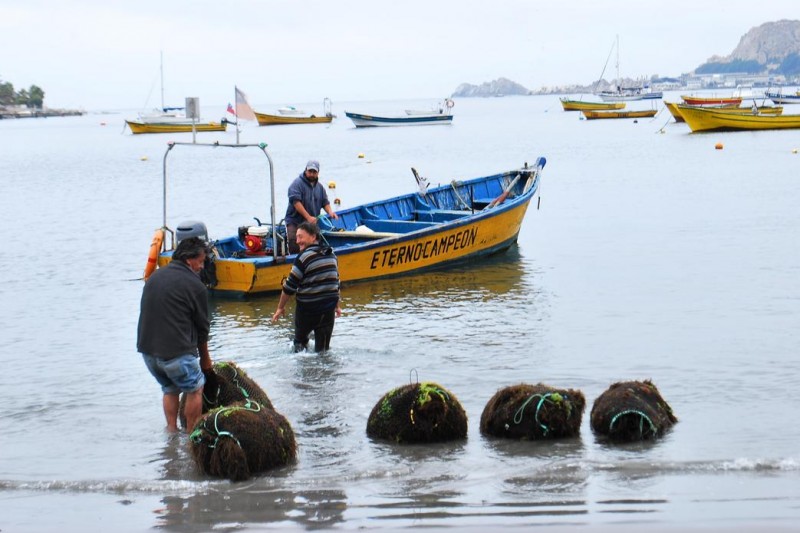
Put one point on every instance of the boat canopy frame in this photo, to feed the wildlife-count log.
(261, 146)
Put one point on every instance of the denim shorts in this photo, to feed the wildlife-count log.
(179, 374)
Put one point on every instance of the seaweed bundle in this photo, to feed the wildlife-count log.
(533, 412)
(242, 439)
(418, 413)
(631, 411)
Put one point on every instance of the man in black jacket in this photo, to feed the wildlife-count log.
(173, 331)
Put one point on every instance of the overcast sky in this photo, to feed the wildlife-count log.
(104, 54)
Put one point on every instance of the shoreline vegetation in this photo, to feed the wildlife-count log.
(28, 103)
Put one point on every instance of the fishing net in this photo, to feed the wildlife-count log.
(225, 384)
(417, 413)
(230, 384)
(631, 411)
(533, 412)
(240, 440)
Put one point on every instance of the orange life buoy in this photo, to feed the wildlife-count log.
(450, 103)
(152, 257)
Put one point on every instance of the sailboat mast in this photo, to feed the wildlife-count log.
(162, 82)
(618, 80)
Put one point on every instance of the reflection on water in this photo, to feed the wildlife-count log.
(498, 276)
(235, 509)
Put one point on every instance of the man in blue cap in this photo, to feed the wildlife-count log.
(307, 197)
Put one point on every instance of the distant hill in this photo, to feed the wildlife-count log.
(773, 48)
(498, 87)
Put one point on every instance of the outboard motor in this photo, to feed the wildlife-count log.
(186, 230)
(189, 229)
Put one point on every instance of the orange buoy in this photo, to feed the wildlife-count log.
(152, 257)
(718, 146)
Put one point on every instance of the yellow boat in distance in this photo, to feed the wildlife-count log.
(645, 113)
(675, 110)
(291, 115)
(409, 234)
(710, 119)
(175, 127)
(580, 105)
(265, 119)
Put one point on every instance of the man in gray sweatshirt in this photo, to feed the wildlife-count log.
(173, 331)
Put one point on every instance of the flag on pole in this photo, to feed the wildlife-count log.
(243, 109)
(231, 110)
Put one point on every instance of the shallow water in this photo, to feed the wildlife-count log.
(653, 255)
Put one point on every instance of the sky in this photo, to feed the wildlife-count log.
(105, 54)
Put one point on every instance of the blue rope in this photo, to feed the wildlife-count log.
(542, 399)
(642, 418)
(196, 436)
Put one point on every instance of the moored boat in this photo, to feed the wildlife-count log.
(580, 105)
(184, 126)
(292, 115)
(779, 97)
(711, 100)
(362, 120)
(645, 113)
(675, 110)
(403, 235)
(710, 119)
(265, 119)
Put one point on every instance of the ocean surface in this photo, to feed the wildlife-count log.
(653, 255)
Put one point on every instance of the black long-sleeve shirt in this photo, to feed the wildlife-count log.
(174, 312)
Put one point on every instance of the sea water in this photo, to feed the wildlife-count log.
(650, 254)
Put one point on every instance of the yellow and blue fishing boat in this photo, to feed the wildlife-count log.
(408, 234)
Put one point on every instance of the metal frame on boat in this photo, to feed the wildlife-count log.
(407, 234)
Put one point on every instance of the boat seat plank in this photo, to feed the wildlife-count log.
(480, 203)
(348, 234)
(440, 215)
(397, 226)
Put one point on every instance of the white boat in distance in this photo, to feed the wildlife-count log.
(441, 115)
(364, 121)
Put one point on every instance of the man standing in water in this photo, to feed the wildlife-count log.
(307, 197)
(314, 280)
(173, 331)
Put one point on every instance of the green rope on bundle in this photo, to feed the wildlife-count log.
(542, 399)
(642, 418)
(197, 434)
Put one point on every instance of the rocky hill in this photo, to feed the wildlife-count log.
(772, 47)
(498, 87)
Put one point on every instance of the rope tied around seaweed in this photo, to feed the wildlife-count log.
(642, 418)
(197, 435)
(542, 398)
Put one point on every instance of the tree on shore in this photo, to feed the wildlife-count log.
(32, 97)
